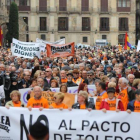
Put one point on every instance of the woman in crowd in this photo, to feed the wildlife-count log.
(15, 102)
(58, 101)
(63, 88)
(82, 102)
(54, 84)
(83, 87)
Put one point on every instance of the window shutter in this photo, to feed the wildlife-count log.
(104, 5)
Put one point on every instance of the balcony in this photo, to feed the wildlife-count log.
(123, 28)
(42, 29)
(43, 9)
(123, 9)
(105, 29)
(86, 28)
(74, 11)
(24, 8)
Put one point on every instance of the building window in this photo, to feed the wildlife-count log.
(22, 2)
(43, 5)
(104, 5)
(123, 5)
(121, 39)
(43, 37)
(62, 37)
(85, 24)
(85, 39)
(62, 5)
(85, 5)
(123, 24)
(63, 23)
(9, 2)
(104, 36)
(43, 24)
(104, 24)
(25, 19)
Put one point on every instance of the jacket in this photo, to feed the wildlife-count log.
(131, 94)
(71, 84)
(10, 104)
(131, 105)
(46, 84)
(88, 105)
(104, 104)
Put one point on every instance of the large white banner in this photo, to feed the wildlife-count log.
(70, 125)
(25, 49)
(43, 43)
(2, 93)
(138, 47)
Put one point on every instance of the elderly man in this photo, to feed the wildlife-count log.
(48, 78)
(63, 77)
(126, 93)
(90, 78)
(70, 83)
(81, 66)
(40, 82)
(131, 78)
(2, 68)
(38, 101)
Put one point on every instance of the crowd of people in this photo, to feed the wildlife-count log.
(115, 74)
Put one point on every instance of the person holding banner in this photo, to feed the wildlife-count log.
(82, 102)
(38, 101)
(15, 102)
(134, 105)
(111, 103)
(58, 99)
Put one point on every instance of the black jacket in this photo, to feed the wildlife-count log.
(88, 105)
(131, 94)
(71, 84)
(46, 84)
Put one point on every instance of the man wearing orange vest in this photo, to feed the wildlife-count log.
(63, 77)
(76, 78)
(102, 94)
(134, 105)
(126, 93)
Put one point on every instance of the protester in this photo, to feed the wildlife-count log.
(76, 78)
(63, 88)
(70, 83)
(111, 103)
(37, 101)
(83, 87)
(15, 102)
(58, 99)
(82, 102)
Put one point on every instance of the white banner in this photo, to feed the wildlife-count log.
(2, 93)
(70, 125)
(43, 43)
(74, 90)
(138, 47)
(25, 49)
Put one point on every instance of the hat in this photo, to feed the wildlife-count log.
(137, 92)
(69, 74)
(75, 71)
(110, 89)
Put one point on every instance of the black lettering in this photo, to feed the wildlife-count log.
(2, 119)
(115, 125)
(66, 138)
(94, 127)
(118, 138)
(70, 128)
(63, 124)
(128, 125)
(129, 138)
(7, 121)
(16, 51)
(20, 47)
(106, 137)
(83, 124)
(27, 53)
(80, 136)
(22, 52)
(89, 136)
(56, 138)
(37, 48)
(103, 127)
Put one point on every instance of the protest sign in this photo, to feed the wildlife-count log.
(60, 50)
(70, 125)
(2, 93)
(43, 43)
(25, 49)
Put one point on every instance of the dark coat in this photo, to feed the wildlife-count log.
(46, 84)
(71, 84)
(131, 105)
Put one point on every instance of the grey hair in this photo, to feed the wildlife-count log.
(37, 87)
(124, 80)
(131, 75)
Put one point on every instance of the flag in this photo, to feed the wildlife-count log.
(127, 43)
(1, 36)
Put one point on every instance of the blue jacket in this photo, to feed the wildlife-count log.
(131, 105)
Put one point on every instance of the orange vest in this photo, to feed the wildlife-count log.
(136, 106)
(18, 104)
(54, 105)
(99, 100)
(83, 106)
(112, 104)
(78, 81)
(64, 80)
(104, 58)
(123, 95)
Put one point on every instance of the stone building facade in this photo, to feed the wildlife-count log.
(81, 21)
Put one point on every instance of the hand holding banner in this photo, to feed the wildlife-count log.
(60, 50)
